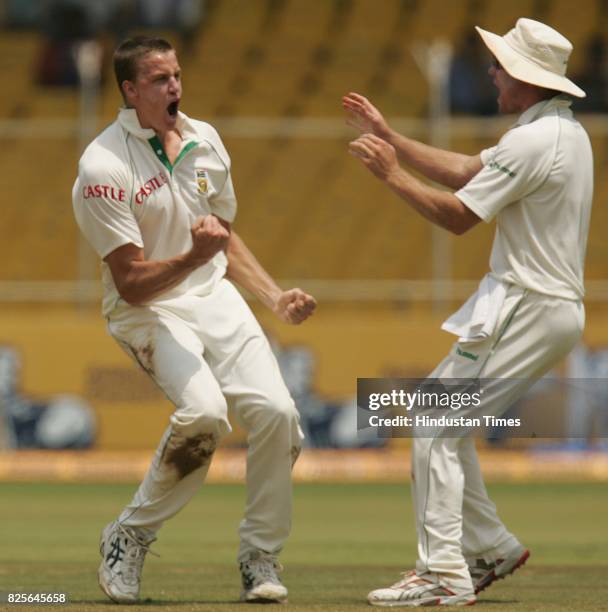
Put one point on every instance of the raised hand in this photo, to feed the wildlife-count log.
(377, 155)
(364, 116)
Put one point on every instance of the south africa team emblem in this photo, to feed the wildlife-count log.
(202, 181)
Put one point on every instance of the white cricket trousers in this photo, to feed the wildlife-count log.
(206, 354)
(455, 518)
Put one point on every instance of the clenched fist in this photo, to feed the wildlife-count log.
(294, 306)
(210, 235)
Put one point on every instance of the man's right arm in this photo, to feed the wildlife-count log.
(139, 280)
(454, 170)
(102, 210)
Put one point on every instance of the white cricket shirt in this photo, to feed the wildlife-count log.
(127, 191)
(538, 183)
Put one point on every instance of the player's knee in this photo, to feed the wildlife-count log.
(214, 424)
(282, 421)
(211, 420)
(281, 409)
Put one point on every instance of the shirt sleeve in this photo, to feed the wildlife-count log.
(487, 154)
(100, 198)
(223, 202)
(512, 170)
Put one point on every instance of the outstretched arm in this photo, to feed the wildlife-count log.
(454, 170)
(440, 207)
(292, 306)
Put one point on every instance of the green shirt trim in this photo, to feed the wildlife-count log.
(157, 147)
(504, 169)
(466, 354)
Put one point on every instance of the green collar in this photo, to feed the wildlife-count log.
(157, 147)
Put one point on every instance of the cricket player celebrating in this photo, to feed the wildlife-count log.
(154, 197)
(527, 314)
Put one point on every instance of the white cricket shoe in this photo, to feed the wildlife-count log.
(415, 590)
(484, 574)
(260, 581)
(123, 550)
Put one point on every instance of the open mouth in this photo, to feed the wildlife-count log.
(172, 108)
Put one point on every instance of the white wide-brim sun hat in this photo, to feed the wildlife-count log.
(534, 53)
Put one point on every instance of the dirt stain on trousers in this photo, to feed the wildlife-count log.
(295, 453)
(187, 455)
(145, 357)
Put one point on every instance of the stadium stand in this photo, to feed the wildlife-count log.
(17, 59)
(307, 209)
(322, 216)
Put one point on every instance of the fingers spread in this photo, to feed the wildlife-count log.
(372, 143)
(372, 138)
(355, 97)
(356, 103)
(360, 148)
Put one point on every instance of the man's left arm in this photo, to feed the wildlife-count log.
(440, 207)
(292, 306)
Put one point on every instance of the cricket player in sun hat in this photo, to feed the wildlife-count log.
(527, 314)
(154, 197)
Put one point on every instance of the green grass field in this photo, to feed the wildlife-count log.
(347, 539)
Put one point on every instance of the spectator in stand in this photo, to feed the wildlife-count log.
(183, 15)
(66, 25)
(471, 92)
